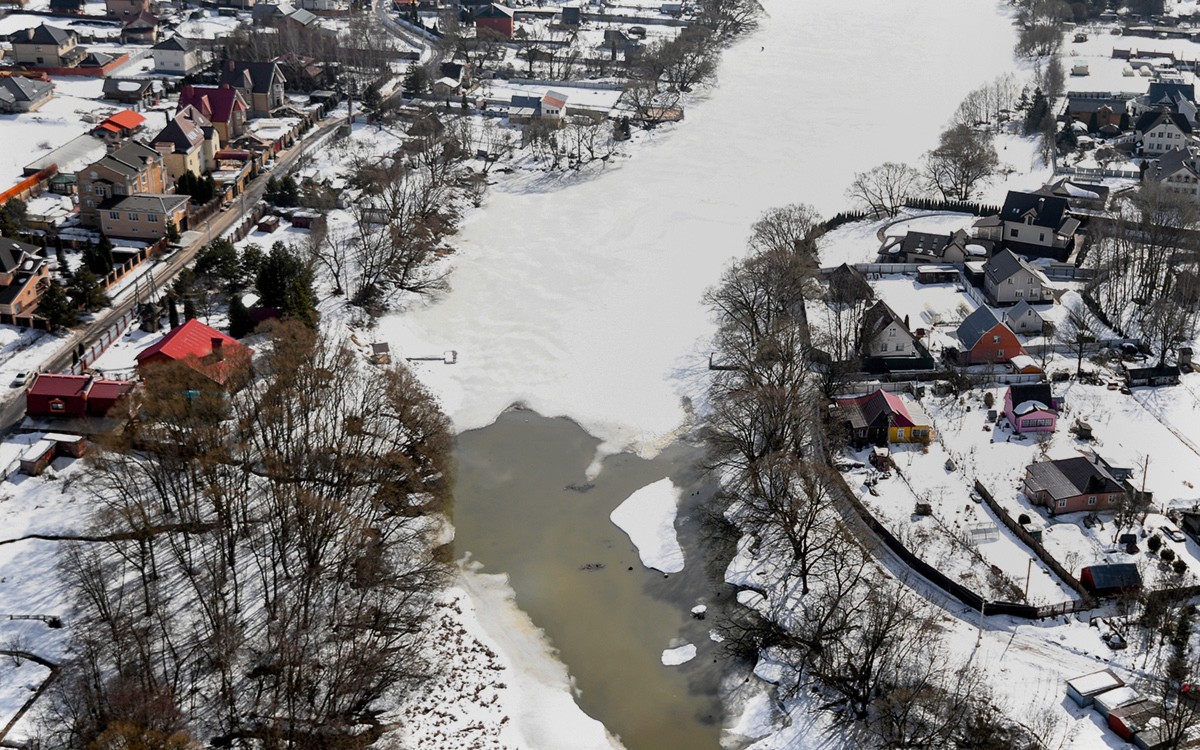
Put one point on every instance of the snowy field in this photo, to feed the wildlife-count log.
(53, 124)
(503, 91)
(588, 304)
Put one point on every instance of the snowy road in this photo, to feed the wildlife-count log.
(580, 295)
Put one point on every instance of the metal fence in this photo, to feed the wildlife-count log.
(91, 354)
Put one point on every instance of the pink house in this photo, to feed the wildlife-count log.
(1031, 408)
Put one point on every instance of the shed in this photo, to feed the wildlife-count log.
(1152, 376)
(268, 224)
(937, 274)
(1109, 700)
(1129, 719)
(1112, 579)
(381, 353)
(1085, 688)
(37, 457)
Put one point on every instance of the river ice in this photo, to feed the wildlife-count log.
(648, 517)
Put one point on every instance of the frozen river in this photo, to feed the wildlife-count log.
(579, 296)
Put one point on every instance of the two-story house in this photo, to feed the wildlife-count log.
(985, 340)
(1008, 279)
(260, 83)
(1072, 484)
(19, 94)
(1160, 131)
(47, 47)
(140, 29)
(884, 334)
(131, 169)
(123, 10)
(1030, 224)
(143, 217)
(1177, 171)
(178, 55)
(189, 143)
(24, 277)
(223, 106)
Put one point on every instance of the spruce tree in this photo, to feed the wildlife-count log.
(56, 308)
(172, 310)
(240, 322)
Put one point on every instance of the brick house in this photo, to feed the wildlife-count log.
(124, 10)
(131, 169)
(73, 395)
(261, 85)
(1071, 485)
(495, 19)
(983, 340)
(140, 29)
(223, 106)
(24, 277)
(143, 217)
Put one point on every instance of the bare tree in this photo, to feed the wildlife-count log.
(964, 159)
(792, 228)
(883, 190)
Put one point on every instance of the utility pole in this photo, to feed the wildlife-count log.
(979, 638)
(1028, 573)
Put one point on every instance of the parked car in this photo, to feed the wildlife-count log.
(1172, 533)
(20, 380)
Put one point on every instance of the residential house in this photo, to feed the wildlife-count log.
(66, 7)
(550, 108)
(120, 126)
(95, 60)
(136, 92)
(1151, 376)
(18, 94)
(143, 217)
(1030, 407)
(261, 84)
(983, 340)
(302, 73)
(189, 143)
(125, 9)
(924, 247)
(1110, 580)
(141, 29)
(446, 87)
(883, 417)
(24, 277)
(1172, 96)
(1034, 225)
(131, 169)
(1072, 484)
(1023, 318)
(223, 106)
(1008, 279)
(73, 396)
(47, 47)
(206, 350)
(1098, 113)
(885, 334)
(1178, 171)
(494, 19)
(848, 285)
(1159, 131)
(178, 55)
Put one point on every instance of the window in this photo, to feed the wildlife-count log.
(883, 347)
(57, 405)
(900, 347)
(1019, 293)
(995, 339)
(133, 217)
(999, 353)
(1041, 237)
(1092, 500)
(114, 215)
(118, 190)
(899, 433)
(91, 203)
(1012, 233)
(87, 188)
(1010, 281)
(152, 218)
(1062, 503)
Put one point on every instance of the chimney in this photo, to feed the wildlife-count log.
(216, 347)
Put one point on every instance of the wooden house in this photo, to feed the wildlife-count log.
(1072, 484)
(882, 417)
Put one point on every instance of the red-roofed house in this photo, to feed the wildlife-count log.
(884, 417)
(73, 395)
(123, 124)
(206, 350)
(223, 105)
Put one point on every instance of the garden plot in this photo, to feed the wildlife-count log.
(1108, 74)
(961, 538)
(1125, 434)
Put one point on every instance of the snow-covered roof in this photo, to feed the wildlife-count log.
(1095, 683)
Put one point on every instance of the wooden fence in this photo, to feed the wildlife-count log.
(1036, 546)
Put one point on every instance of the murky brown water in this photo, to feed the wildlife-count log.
(522, 506)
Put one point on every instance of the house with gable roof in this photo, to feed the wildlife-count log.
(144, 216)
(494, 19)
(1071, 485)
(47, 47)
(130, 91)
(985, 340)
(1160, 131)
(1038, 226)
(204, 349)
(1023, 318)
(261, 84)
(178, 55)
(189, 143)
(881, 417)
(887, 345)
(24, 277)
(141, 29)
(1178, 171)
(19, 94)
(1008, 279)
(120, 126)
(925, 247)
(223, 106)
(1031, 407)
(131, 169)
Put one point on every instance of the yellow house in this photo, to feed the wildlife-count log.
(882, 415)
(189, 143)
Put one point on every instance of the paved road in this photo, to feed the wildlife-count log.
(165, 269)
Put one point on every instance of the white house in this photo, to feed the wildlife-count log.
(1022, 318)
(1159, 132)
(554, 106)
(177, 56)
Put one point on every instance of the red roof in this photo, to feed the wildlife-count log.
(109, 389)
(194, 341)
(217, 103)
(60, 386)
(126, 118)
(109, 127)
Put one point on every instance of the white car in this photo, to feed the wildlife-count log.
(1175, 535)
(20, 379)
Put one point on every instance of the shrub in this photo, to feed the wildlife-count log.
(1154, 543)
(1180, 567)
(1167, 555)
(989, 399)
